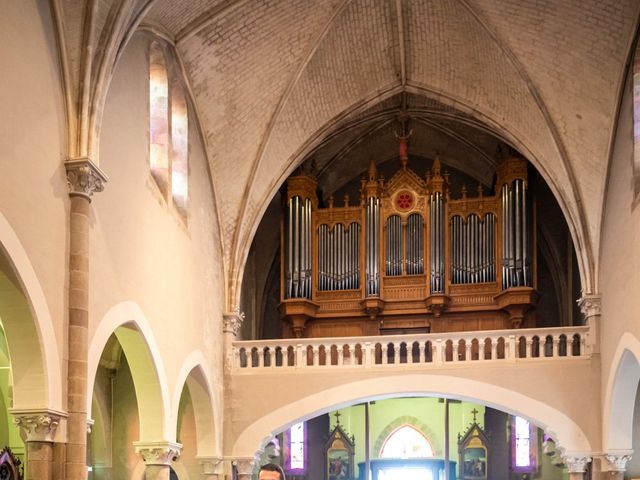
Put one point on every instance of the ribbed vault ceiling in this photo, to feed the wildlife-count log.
(275, 82)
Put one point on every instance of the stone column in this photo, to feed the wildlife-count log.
(38, 429)
(617, 462)
(244, 467)
(211, 467)
(576, 466)
(231, 329)
(157, 458)
(84, 178)
(590, 306)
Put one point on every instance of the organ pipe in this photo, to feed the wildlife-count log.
(516, 271)
(299, 248)
(437, 240)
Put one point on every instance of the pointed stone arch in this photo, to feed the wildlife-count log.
(31, 338)
(568, 434)
(619, 402)
(414, 422)
(193, 377)
(127, 322)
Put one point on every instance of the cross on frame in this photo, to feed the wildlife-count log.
(337, 415)
(475, 412)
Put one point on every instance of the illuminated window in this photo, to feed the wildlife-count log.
(636, 118)
(294, 446)
(406, 442)
(158, 116)
(180, 150)
(168, 129)
(523, 446)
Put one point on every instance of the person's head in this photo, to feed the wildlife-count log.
(271, 471)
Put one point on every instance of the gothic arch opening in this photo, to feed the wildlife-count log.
(471, 156)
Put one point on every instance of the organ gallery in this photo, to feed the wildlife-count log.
(409, 255)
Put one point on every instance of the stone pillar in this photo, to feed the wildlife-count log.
(84, 178)
(576, 465)
(211, 467)
(231, 329)
(38, 429)
(157, 458)
(617, 463)
(244, 467)
(590, 306)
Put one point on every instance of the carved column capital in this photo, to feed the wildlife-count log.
(158, 453)
(245, 466)
(618, 460)
(90, 423)
(590, 305)
(38, 425)
(84, 178)
(233, 322)
(210, 465)
(576, 463)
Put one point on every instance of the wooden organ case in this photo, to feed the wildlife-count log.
(409, 257)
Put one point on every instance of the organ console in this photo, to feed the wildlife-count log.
(409, 257)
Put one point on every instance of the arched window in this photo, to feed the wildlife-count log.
(635, 81)
(158, 116)
(523, 446)
(294, 449)
(168, 129)
(406, 442)
(180, 149)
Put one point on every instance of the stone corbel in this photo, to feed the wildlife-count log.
(84, 178)
(590, 305)
(233, 322)
(38, 425)
(158, 453)
(617, 460)
(591, 308)
(576, 463)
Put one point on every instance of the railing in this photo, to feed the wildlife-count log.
(430, 350)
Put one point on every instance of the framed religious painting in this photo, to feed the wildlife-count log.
(339, 451)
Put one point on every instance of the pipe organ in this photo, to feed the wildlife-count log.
(408, 256)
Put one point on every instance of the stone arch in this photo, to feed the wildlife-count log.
(482, 119)
(619, 402)
(128, 323)
(193, 376)
(31, 338)
(414, 422)
(568, 434)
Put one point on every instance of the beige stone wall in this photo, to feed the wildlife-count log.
(620, 265)
(142, 251)
(33, 191)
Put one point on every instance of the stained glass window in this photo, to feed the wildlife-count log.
(406, 442)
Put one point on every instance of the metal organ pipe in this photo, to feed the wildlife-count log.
(372, 242)
(515, 227)
(437, 235)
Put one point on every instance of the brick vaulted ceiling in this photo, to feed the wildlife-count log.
(274, 79)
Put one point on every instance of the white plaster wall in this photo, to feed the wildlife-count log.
(141, 250)
(620, 263)
(33, 191)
